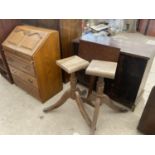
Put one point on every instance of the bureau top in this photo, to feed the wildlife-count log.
(130, 43)
(27, 39)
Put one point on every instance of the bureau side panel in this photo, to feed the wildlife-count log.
(47, 72)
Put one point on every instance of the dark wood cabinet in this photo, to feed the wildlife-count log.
(6, 26)
(132, 69)
(129, 75)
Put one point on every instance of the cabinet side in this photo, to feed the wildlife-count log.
(48, 73)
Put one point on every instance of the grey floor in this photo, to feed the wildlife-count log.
(22, 114)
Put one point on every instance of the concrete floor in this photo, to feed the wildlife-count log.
(22, 114)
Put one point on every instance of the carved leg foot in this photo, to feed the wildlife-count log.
(60, 102)
(95, 116)
(113, 106)
(82, 110)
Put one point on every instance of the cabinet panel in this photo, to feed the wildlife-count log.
(128, 78)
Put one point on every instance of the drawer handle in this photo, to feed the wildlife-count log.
(30, 80)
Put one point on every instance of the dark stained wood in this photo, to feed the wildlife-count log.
(134, 63)
(129, 76)
(151, 28)
(69, 29)
(142, 26)
(98, 51)
(6, 26)
(45, 23)
(147, 122)
(147, 26)
(89, 50)
(140, 49)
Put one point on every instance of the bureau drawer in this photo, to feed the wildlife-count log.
(19, 54)
(25, 77)
(20, 63)
(25, 86)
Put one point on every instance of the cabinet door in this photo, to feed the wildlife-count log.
(128, 78)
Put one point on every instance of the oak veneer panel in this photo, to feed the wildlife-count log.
(48, 73)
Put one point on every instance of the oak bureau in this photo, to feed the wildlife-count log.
(31, 54)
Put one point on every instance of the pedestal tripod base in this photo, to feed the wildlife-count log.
(73, 93)
(99, 100)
